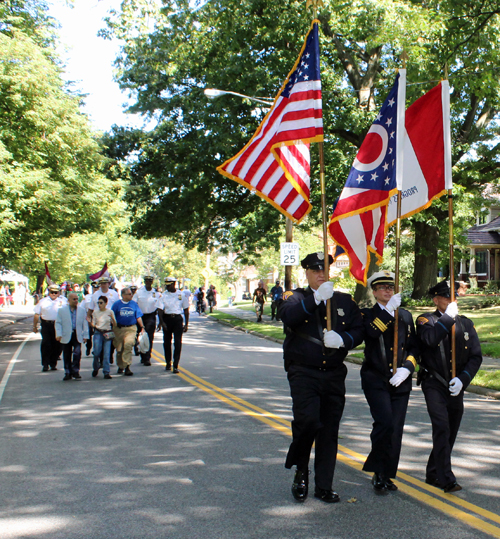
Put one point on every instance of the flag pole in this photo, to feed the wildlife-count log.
(325, 230)
(448, 180)
(315, 4)
(399, 181)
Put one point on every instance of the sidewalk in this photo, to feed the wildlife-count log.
(11, 315)
(489, 363)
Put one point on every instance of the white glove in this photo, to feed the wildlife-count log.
(324, 292)
(401, 375)
(456, 386)
(394, 302)
(332, 339)
(452, 310)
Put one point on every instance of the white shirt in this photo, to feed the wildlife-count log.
(111, 294)
(383, 307)
(47, 307)
(173, 302)
(147, 300)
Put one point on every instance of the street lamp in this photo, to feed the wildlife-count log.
(212, 92)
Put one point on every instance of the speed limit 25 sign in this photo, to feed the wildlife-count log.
(289, 254)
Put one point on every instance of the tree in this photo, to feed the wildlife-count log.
(51, 184)
(249, 46)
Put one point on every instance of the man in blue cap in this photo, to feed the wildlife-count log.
(314, 360)
(444, 393)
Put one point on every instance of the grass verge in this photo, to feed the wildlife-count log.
(264, 329)
(488, 379)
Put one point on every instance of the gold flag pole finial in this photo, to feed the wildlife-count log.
(316, 4)
(404, 56)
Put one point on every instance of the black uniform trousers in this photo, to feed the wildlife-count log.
(274, 309)
(318, 399)
(446, 414)
(88, 345)
(174, 326)
(149, 321)
(50, 349)
(388, 408)
(72, 354)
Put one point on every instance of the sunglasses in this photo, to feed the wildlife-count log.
(101, 303)
(53, 292)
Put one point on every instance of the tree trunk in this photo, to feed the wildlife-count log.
(426, 259)
(363, 294)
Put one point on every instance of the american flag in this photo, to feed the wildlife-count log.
(276, 162)
(358, 224)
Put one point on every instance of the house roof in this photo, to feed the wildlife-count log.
(488, 234)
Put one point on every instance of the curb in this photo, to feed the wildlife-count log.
(10, 322)
(478, 390)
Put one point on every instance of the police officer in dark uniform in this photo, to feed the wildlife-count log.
(444, 393)
(314, 360)
(387, 394)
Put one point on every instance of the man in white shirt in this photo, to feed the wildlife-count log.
(87, 299)
(46, 311)
(171, 306)
(147, 297)
(104, 290)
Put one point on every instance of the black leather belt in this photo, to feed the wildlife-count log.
(49, 321)
(172, 315)
(129, 326)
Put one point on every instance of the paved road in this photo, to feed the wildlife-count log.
(200, 454)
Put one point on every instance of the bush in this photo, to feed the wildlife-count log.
(423, 302)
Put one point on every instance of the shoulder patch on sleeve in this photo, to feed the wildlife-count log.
(286, 295)
(422, 320)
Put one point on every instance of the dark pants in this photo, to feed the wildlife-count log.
(149, 321)
(72, 354)
(274, 310)
(388, 408)
(174, 326)
(50, 349)
(446, 414)
(318, 402)
(89, 340)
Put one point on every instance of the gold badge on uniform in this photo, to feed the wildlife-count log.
(340, 312)
(286, 295)
(466, 335)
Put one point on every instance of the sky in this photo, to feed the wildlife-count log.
(89, 60)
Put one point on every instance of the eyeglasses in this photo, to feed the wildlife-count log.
(53, 292)
(385, 287)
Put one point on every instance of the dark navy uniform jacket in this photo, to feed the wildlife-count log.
(303, 318)
(434, 328)
(379, 323)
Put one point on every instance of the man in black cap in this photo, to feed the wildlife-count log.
(444, 393)
(314, 360)
(276, 296)
(386, 392)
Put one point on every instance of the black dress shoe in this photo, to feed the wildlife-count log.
(378, 482)
(67, 377)
(119, 371)
(45, 368)
(452, 487)
(108, 377)
(300, 485)
(94, 373)
(328, 496)
(433, 482)
(176, 370)
(54, 368)
(128, 372)
(147, 363)
(389, 485)
(77, 376)
(168, 367)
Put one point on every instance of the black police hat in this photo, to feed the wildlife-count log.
(443, 289)
(315, 261)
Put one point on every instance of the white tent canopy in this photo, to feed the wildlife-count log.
(12, 277)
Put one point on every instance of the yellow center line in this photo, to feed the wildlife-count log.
(354, 459)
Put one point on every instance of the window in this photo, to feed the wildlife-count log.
(481, 262)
